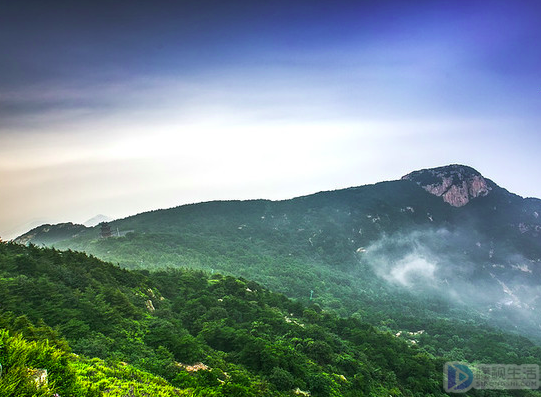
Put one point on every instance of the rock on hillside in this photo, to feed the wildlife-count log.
(456, 184)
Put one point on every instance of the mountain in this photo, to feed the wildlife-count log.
(456, 184)
(439, 242)
(96, 220)
(49, 234)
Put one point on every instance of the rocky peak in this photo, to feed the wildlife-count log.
(456, 184)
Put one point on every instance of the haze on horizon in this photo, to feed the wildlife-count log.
(118, 108)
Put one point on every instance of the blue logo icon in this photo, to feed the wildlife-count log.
(457, 377)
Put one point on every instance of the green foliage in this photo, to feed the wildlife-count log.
(37, 369)
(120, 379)
(311, 243)
(185, 332)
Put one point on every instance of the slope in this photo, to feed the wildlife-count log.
(217, 335)
(438, 241)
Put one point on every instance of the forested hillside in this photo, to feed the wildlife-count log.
(209, 334)
(396, 247)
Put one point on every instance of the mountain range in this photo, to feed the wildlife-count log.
(388, 282)
(435, 241)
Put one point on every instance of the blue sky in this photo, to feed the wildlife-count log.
(127, 106)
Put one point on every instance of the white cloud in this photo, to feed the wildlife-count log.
(272, 131)
(410, 270)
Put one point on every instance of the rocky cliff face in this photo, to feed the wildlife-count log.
(456, 184)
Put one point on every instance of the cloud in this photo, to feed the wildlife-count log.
(410, 270)
(279, 121)
(403, 259)
(462, 266)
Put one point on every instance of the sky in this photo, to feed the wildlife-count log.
(120, 107)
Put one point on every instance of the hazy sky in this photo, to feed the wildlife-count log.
(118, 107)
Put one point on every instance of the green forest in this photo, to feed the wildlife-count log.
(98, 329)
(328, 243)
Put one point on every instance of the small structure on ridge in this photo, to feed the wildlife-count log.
(105, 230)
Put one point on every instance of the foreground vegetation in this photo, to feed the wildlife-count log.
(184, 332)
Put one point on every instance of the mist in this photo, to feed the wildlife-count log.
(463, 268)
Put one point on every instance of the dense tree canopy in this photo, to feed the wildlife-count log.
(211, 334)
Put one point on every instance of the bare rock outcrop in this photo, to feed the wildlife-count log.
(456, 184)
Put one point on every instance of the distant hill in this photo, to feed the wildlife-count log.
(96, 220)
(439, 242)
(50, 234)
